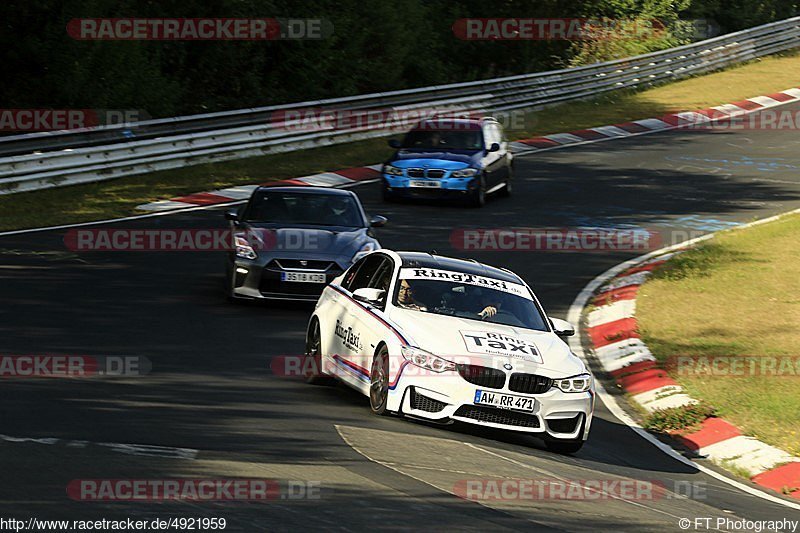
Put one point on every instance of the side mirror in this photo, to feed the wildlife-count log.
(394, 143)
(232, 215)
(370, 296)
(562, 327)
(378, 221)
(493, 148)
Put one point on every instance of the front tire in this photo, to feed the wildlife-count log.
(379, 382)
(313, 360)
(508, 187)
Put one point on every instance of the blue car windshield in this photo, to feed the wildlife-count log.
(302, 208)
(443, 140)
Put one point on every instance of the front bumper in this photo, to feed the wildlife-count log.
(400, 186)
(255, 280)
(447, 396)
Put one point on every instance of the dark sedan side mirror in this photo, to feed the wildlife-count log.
(232, 215)
(394, 143)
(378, 221)
(493, 148)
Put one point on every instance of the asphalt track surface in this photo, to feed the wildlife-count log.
(211, 388)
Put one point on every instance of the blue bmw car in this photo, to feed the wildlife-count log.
(450, 158)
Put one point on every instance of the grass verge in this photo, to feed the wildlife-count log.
(119, 197)
(735, 296)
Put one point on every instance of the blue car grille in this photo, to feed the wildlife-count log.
(435, 173)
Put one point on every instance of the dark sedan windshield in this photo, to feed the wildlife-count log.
(303, 208)
(443, 140)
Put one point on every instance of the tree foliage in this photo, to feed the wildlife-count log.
(376, 46)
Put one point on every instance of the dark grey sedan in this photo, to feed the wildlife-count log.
(289, 242)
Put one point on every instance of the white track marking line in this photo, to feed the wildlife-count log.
(565, 480)
(122, 219)
(143, 450)
(574, 317)
(391, 467)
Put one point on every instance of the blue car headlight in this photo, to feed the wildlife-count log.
(392, 170)
(464, 173)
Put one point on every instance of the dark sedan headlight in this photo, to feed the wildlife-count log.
(364, 250)
(243, 247)
(392, 170)
(464, 173)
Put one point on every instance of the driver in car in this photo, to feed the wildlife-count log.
(405, 297)
(489, 307)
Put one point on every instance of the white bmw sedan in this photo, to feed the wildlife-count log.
(445, 340)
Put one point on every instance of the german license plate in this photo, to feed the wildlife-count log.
(426, 184)
(302, 277)
(504, 401)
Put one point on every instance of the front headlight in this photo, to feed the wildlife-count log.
(427, 360)
(580, 383)
(392, 170)
(464, 173)
(243, 247)
(364, 250)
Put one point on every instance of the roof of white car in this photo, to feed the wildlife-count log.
(427, 260)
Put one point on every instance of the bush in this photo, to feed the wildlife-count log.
(682, 418)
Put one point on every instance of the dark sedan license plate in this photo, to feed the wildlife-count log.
(302, 277)
(504, 401)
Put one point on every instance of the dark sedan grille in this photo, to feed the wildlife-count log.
(529, 383)
(271, 283)
(423, 403)
(497, 416)
(297, 264)
(277, 287)
(483, 375)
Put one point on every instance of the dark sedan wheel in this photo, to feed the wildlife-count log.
(477, 197)
(379, 382)
(508, 187)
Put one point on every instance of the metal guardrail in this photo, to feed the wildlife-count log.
(52, 159)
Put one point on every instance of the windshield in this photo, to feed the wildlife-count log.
(443, 140)
(302, 208)
(468, 296)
